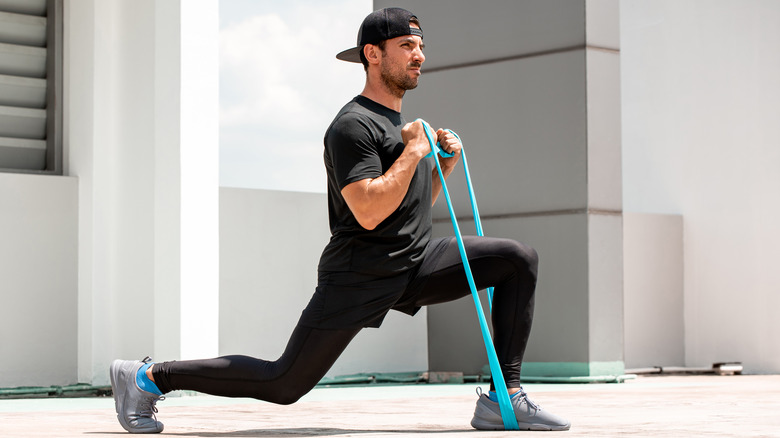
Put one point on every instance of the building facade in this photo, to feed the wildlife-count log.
(633, 144)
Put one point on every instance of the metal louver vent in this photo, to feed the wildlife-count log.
(26, 97)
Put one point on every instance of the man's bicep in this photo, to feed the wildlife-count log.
(355, 194)
(361, 203)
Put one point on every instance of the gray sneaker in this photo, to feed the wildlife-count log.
(530, 416)
(135, 407)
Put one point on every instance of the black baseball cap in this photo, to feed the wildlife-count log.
(381, 25)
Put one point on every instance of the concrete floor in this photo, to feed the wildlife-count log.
(662, 406)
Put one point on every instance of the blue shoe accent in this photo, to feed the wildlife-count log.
(144, 382)
(494, 397)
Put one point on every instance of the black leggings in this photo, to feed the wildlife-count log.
(509, 266)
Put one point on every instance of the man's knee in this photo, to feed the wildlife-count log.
(523, 256)
(286, 396)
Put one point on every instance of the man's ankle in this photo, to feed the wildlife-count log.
(494, 397)
(144, 382)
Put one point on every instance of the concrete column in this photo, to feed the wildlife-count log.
(141, 135)
(533, 89)
(187, 198)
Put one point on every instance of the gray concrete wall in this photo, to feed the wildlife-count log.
(533, 89)
(38, 280)
(560, 330)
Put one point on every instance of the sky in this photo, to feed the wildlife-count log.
(280, 87)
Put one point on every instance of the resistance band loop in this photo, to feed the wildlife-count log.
(505, 405)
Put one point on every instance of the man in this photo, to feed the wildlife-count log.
(380, 256)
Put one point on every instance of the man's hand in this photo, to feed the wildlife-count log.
(449, 143)
(415, 141)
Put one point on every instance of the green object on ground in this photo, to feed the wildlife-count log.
(77, 390)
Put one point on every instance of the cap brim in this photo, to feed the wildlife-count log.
(350, 55)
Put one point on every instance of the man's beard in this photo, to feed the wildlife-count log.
(397, 82)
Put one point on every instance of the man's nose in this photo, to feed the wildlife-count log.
(419, 56)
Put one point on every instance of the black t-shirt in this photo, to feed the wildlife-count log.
(363, 141)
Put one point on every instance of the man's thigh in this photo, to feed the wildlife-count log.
(442, 277)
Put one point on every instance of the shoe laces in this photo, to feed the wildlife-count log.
(148, 407)
(522, 395)
(528, 401)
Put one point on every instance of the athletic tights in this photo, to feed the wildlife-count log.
(507, 265)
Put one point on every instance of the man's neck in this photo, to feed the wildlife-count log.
(382, 96)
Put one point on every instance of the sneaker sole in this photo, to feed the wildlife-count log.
(480, 424)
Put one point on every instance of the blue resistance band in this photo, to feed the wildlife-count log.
(505, 405)
(436, 149)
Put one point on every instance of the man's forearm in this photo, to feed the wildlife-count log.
(373, 200)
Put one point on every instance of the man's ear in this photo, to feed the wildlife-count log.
(371, 52)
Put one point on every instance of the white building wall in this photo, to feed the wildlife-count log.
(38, 281)
(653, 290)
(701, 129)
(270, 244)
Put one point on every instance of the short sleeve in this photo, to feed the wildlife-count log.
(351, 146)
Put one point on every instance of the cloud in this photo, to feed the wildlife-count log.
(280, 86)
(262, 73)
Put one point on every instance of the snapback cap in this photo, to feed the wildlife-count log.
(381, 25)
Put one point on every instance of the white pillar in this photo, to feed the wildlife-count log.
(89, 143)
(186, 177)
(142, 137)
(199, 151)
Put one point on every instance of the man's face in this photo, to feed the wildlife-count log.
(401, 62)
